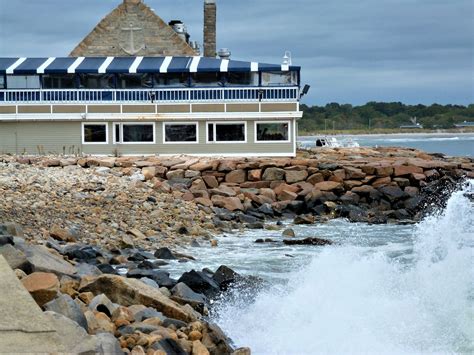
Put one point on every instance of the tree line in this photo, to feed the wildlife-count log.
(381, 115)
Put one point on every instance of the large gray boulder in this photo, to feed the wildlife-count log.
(44, 260)
(16, 258)
(66, 306)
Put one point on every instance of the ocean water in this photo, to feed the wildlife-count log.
(380, 289)
(453, 144)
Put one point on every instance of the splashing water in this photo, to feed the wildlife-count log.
(350, 300)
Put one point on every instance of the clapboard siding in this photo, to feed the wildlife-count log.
(65, 138)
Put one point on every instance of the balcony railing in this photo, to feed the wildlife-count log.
(150, 95)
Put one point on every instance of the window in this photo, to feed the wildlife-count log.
(242, 79)
(206, 79)
(272, 131)
(134, 81)
(227, 132)
(180, 132)
(134, 133)
(289, 78)
(56, 81)
(97, 81)
(23, 81)
(94, 133)
(2, 82)
(171, 79)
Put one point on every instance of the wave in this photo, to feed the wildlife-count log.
(351, 301)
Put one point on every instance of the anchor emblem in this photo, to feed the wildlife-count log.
(130, 49)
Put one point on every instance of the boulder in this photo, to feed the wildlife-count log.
(107, 344)
(165, 254)
(202, 166)
(292, 176)
(236, 176)
(210, 181)
(352, 173)
(149, 172)
(66, 306)
(175, 174)
(225, 276)
(286, 195)
(229, 203)
(44, 261)
(254, 175)
(74, 337)
(182, 294)
(199, 348)
(289, 232)
(132, 291)
(273, 174)
(304, 219)
(383, 171)
(101, 303)
(315, 178)
(329, 186)
(16, 258)
(400, 170)
(382, 181)
(200, 282)
(224, 191)
(62, 234)
(393, 193)
(42, 286)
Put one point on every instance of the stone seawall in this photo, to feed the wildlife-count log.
(363, 184)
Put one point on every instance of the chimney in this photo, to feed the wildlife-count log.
(210, 16)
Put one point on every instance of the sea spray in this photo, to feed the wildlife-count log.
(360, 300)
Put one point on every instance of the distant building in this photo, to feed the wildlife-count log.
(464, 124)
(136, 86)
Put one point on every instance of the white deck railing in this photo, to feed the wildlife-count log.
(150, 95)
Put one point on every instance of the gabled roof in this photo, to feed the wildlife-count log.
(132, 29)
(112, 65)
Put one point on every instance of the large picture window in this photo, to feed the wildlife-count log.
(180, 132)
(242, 79)
(171, 79)
(95, 133)
(272, 131)
(206, 79)
(97, 81)
(134, 81)
(134, 133)
(23, 82)
(58, 81)
(227, 132)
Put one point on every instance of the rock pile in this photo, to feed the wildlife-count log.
(370, 185)
(95, 310)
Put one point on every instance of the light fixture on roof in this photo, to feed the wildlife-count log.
(287, 58)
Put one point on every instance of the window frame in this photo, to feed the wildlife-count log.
(121, 124)
(214, 123)
(106, 124)
(272, 122)
(181, 123)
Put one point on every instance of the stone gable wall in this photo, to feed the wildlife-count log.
(155, 37)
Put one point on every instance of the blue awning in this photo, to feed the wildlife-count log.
(209, 65)
(179, 65)
(90, 65)
(94, 65)
(150, 65)
(59, 66)
(6, 63)
(29, 66)
(120, 65)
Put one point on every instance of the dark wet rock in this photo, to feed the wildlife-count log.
(6, 239)
(195, 244)
(169, 346)
(175, 322)
(328, 166)
(66, 306)
(148, 313)
(256, 225)
(244, 218)
(393, 193)
(266, 209)
(304, 219)
(266, 240)
(289, 232)
(200, 282)
(81, 253)
(164, 253)
(107, 269)
(160, 277)
(225, 276)
(183, 294)
(137, 327)
(307, 241)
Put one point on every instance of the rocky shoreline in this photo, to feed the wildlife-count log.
(87, 235)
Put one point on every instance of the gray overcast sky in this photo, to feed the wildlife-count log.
(351, 51)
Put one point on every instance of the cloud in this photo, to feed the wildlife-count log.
(350, 51)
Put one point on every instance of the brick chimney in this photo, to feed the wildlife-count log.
(210, 16)
(132, 1)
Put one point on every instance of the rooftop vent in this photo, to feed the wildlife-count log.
(224, 53)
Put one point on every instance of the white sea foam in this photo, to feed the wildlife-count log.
(351, 300)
